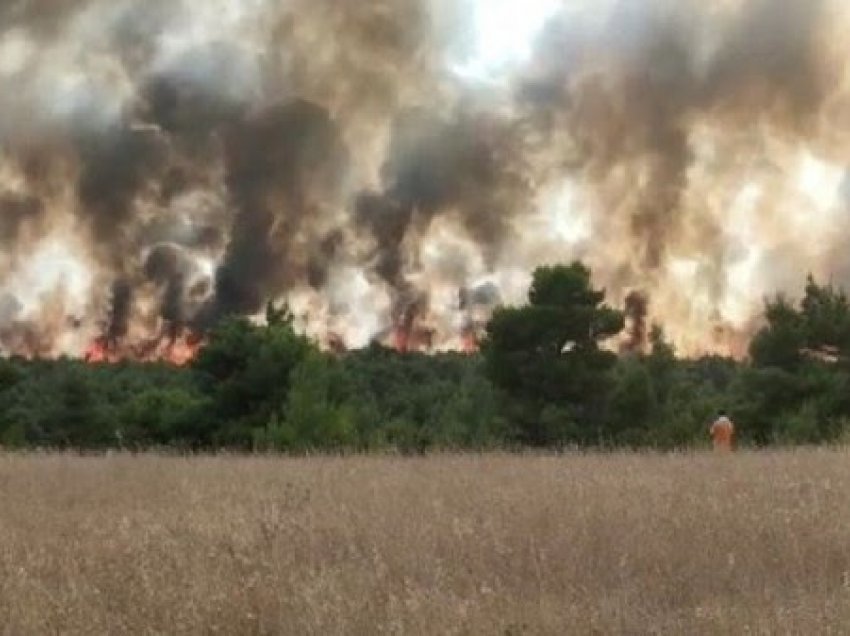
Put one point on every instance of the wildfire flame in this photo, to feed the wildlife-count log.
(412, 338)
(99, 352)
(179, 351)
(469, 341)
(401, 339)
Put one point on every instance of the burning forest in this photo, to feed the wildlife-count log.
(394, 170)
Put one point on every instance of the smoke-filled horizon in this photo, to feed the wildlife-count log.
(409, 162)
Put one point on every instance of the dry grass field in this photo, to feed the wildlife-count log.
(623, 544)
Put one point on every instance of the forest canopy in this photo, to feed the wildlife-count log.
(545, 376)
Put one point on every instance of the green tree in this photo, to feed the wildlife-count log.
(633, 403)
(548, 353)
(76, 418)
(315, 414)
(246, 369)
(10, 374)
(780, 343)
(821, 324)
(825, 313)
(799, 388)
(161, 416)
(661, 363)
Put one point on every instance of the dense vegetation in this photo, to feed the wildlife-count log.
(542, 378)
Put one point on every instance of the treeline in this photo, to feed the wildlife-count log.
(543, 379)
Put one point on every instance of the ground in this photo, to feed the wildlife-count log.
(490, 544)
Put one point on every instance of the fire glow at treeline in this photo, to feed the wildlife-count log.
(395, 169)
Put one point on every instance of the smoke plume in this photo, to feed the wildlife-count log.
(167, 164)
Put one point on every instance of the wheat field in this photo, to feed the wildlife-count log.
(467, 544)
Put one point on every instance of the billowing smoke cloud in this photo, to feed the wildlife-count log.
(170, 269)
(119, 313)
(632, 93)
(283, 170)
(196, 161)
(458, 169)
(16, 212)
(115, 170)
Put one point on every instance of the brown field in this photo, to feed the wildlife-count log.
(750, 543)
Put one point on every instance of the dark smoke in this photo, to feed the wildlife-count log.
(45, 16)
(486, 295)
(116, 168)
(10, 308)
(16, 211)
(282, 167)
(121, 303)
(387, 221)
(322, 259)
(637, 332)
(630, 94)
(456, 168)
(187, 106)
(168, 266)
(251, 148)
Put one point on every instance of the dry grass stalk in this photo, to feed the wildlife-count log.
(489, 544)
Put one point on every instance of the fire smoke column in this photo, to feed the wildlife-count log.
(637, 334)
(120, 312)
(645, 103)
(289, 146)
(284, 167)
(456, 167)
(108, 346)
(476, 305)
(169, 268)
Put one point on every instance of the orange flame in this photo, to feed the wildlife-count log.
(469, 342)
(401, 339)
(97, 352)
(178, 351)
(181, 352)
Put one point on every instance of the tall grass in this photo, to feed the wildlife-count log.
(489, 544)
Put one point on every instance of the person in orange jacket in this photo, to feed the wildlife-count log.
(722, 433)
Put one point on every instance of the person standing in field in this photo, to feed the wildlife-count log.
(722, 432)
